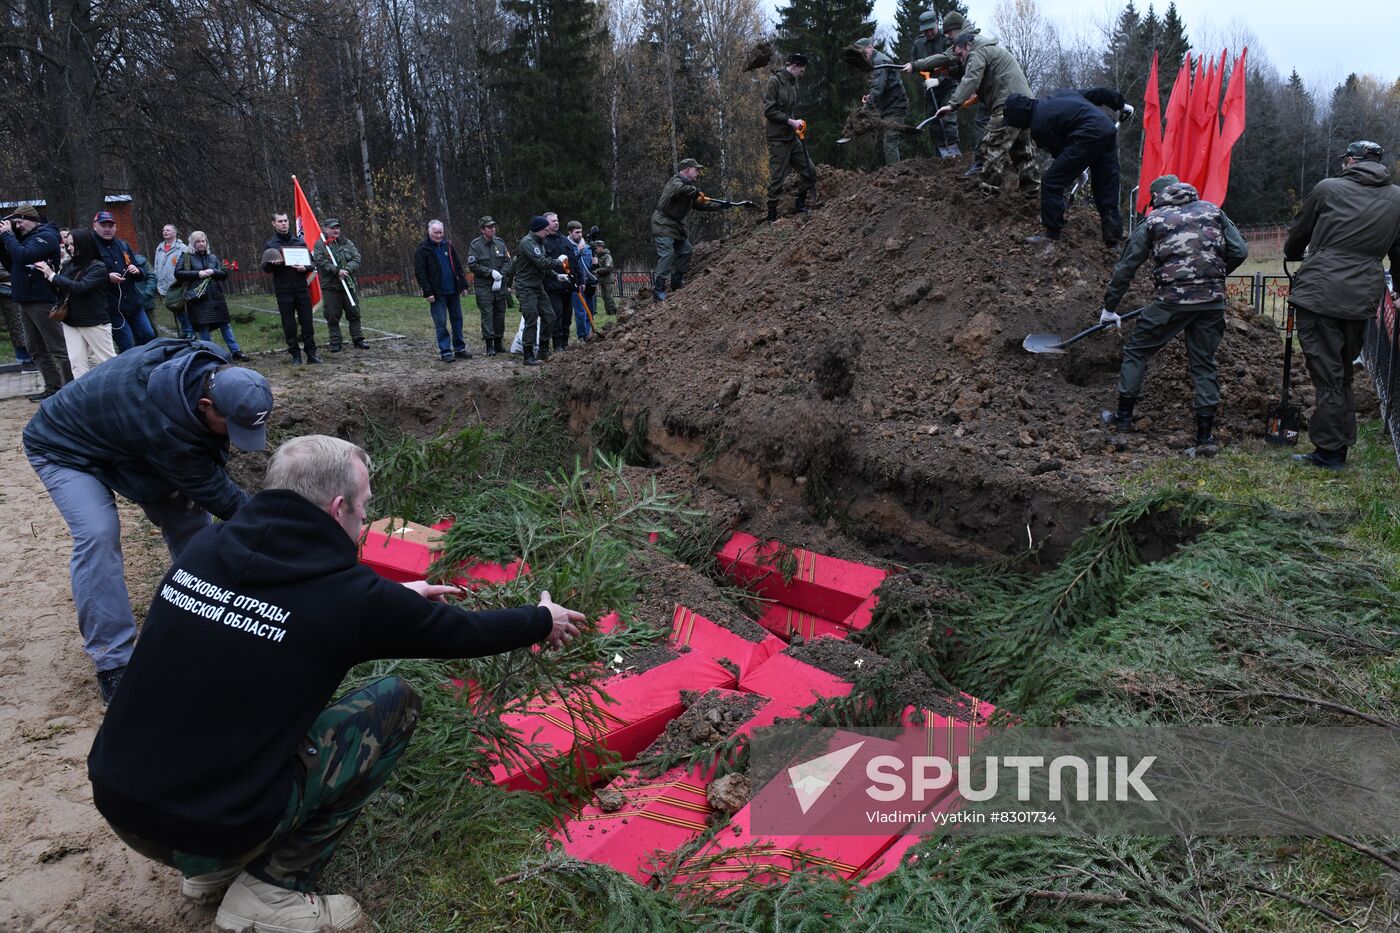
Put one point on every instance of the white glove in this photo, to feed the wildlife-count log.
(1127, 111)
(932, 83)
(563, 259)
(1108, 317)
(495, 281)
(562, 276)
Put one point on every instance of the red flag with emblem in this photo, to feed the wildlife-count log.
(1151, 139)
(310, 231)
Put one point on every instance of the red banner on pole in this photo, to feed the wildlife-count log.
(1177, 121)
(1151, 140)
(1232, 111)
(310, 231)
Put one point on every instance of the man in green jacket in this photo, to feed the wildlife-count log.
(606, 271)
(993, 74)
(1347, 225)
(936, 88)
(947, 70)
(1193, 246)
(668, 226)
(337, 260)
(490, 263)
(887, 97)
(531, 267)
(786, 151)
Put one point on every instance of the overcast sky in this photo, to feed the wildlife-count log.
(1289, 32)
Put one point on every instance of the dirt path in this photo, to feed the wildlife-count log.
(60, 867)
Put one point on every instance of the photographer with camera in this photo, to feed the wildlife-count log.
(26, 239)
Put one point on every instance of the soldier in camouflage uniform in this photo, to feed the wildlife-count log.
(785, 153)
(252, 779)
(1193, 246)
(947, 69)
(490, 263)
(337, 260)
(532, 265)
(673, 247)
(993, 74)
(887, 97)
(607, 281)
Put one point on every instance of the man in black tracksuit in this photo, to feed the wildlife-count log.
(293, 294)
(1070, 126)
(559, 293)
(219, 754)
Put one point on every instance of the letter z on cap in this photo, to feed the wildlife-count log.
(244, 398)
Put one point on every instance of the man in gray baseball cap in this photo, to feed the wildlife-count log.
(153, 425)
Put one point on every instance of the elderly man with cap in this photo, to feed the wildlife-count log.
(786, 151)
(1193, 246)
(337, 260)
(673, 248)
(533, 266)
(887, 97)
(153, 425)
(25, 238)
(993, 74)
(1346, 226)
(490, 263)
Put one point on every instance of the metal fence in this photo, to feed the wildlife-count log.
(1266, 294)
(1382, 357)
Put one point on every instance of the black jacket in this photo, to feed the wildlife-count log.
(429, 272)
(208, 308)
(248, 638)
(285, 279)
(86, 290)
(121, 296)
(1065, 117)
(556, 245)
(27, 284)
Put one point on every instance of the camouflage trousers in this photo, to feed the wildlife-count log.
(1002, 143)
(607, 296)
(335, 304)
(345, 757)
(1157, 325)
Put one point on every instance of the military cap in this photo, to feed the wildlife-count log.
(866, 43)
(486, 221)
(333, 222)
(1162, 183)
(1364, 150)
(25, 212)
(928, 20)
(954, 22)
(691, 163)
(599, 243)
(796, 58)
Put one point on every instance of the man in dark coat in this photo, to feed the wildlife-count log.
(440, 275)
(887, 97)
(292, 291)
(559, 291)
(26, 239)
(224, 755)
(153, 426)
(1346, 225)
(130, 326)
(1070, 126)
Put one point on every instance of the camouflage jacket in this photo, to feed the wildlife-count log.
(484, 257)
(532, 263)
(780, 105)
(887, 94)
(1193, 246)
(346, 256)
(604, 269)
(674, 205)
(993, 74)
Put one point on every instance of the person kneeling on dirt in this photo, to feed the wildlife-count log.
(1070, 126)
(1193, 246)
(1346, 225)
(222, 755)
(152, 424)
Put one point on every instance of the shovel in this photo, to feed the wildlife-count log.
(1054, 343)
(1281, 420)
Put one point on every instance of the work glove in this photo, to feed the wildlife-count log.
(495, 281)
(932, 83)
(563, 259)
(1127, 112)
(563, 277)
(1108, 317)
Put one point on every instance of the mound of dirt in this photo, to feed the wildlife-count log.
(709, 719)
(866, 361)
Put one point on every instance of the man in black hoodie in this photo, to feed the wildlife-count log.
(1070, 126)
(293, 294)
(197, 770)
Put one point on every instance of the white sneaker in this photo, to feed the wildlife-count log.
(203, 889)
(253, 906)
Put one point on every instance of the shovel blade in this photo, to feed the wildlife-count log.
(1043, 343)
(1281, 425)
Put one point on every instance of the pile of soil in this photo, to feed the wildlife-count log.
(640, 660)
(866, 361)
(837, 657)
(709, 719)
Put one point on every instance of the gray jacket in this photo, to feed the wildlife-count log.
(165, 263)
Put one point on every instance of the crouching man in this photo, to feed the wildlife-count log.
(219, 755)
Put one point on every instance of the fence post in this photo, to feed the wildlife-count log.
(1258, 294)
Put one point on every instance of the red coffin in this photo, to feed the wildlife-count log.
(403, 551)
(692, 630)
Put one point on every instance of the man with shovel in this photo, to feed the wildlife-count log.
(787, 152)
(936, 87)
(887, 96)
(1193, 246)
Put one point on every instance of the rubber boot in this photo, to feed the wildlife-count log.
(499, 347)
(361, 343)
(531, 359)
(801, 206)
(255, 904)
(1206, 445)
(658, 289)
(1122, 420)
(772, 212)
(1324, 459)
(489, 346)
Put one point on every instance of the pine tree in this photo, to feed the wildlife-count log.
(1172, 48)
(1260, 161)
(830, 88)
(1298, 119)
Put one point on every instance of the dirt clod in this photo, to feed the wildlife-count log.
(729, 794)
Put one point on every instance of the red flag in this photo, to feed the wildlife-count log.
(310, 231)
(1195, 130)
(1231, 129)
(1151, 139)
(1209, 129)
(1177, 106)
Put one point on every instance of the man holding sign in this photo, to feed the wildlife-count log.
(288, 269)
(336, 260)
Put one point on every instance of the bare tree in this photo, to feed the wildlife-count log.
(1028, 36)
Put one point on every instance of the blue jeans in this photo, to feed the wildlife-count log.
(96, 567)
(186, 328)
(581, 326)
(225, 331)
(128, 330)
(448, 308)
